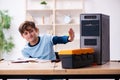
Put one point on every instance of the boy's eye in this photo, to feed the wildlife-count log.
(25, 33)
(29, 31)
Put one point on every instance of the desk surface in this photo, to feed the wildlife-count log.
(48, 68)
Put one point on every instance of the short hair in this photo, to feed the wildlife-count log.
(24, 26)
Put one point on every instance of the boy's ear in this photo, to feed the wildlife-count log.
(22, 35)
(37, 30)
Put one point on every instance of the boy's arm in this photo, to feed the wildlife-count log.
(64, 39)
(60, 39)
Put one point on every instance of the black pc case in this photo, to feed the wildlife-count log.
(94, 33)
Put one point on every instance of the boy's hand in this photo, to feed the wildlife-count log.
(71, 35)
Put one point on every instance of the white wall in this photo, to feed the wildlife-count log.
(111, 7)
(17, 11)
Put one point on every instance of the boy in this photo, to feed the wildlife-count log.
(41, 47)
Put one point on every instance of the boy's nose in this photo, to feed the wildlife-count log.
(29, 34)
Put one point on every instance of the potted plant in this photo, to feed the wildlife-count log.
(43, 4)
(6, 44)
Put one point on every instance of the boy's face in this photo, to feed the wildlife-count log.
(30, 34)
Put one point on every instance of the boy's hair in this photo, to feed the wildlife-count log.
(24, 26)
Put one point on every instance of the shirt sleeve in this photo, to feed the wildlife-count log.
(60, 40)
(25, 54)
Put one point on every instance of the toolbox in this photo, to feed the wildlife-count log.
(76, 58)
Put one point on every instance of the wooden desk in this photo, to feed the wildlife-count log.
(110, 70)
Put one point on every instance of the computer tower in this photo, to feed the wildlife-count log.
(94, 33)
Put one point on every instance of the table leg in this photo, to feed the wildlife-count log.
(116, 78)
(4, 79)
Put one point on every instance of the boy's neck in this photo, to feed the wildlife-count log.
(35, 42)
